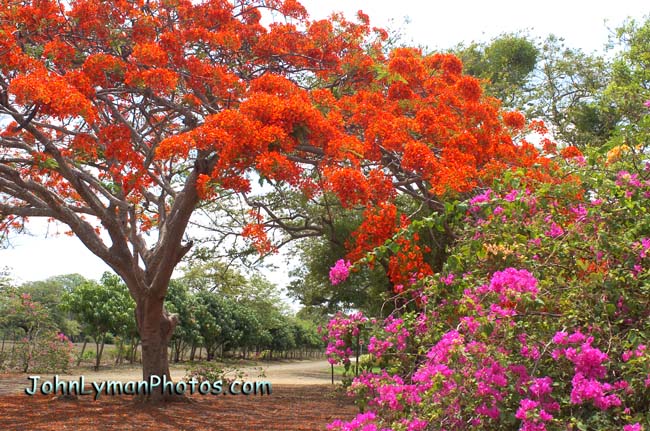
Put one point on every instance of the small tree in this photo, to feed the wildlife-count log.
(102, 308)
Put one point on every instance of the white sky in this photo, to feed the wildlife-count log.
(441, 25)
(583, 24)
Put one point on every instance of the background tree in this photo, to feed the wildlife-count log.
(546, 80)
(28, 321)
(568, 94)
(629, 87)
(50, 292)
(218, 318)
(123, 326)
(6, 289)
(101, 308)
(506, 62)
(214, 275)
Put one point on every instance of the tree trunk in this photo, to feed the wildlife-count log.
(156, 328)
(120, 345)
(13, 344)
(177, 352)
(83, 349)
(99, 351)
(132, 347)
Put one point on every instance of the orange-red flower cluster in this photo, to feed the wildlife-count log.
(318, 105)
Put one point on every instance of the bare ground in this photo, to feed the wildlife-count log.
(302, 399)
(289, 408)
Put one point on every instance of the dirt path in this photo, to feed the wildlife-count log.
(289, 408)
(298, 373)
(302, 399)
(278, 373)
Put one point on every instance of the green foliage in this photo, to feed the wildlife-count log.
(506, 62)
(50, 293)
(45, 352)
(629, 87)
(37, 345)
(104, 309)
(582, 96)
(20, 313)
(306, 334)
(311, 285)
(567, 92)
(246, 315)
(214, 275)
(88, 355)
(101, 307)
(180, 302)
(216, 320)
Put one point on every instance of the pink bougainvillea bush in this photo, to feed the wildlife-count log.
(539, 319)
(40, 348)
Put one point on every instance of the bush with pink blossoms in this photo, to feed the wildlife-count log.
(50, 352)
(539, 319)
(39, 347)
(344, 338)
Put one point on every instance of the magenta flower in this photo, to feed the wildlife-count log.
(448, 280)
(577, 337)
(481, 198)
(512, 195)
(541, 386)
(340, 271)
(561, 337)
(647, 103)
(525, 406)
(555, 231)
(510, 281)
(580, 211)
(645, 246)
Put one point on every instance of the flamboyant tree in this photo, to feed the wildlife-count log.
(121, 118)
